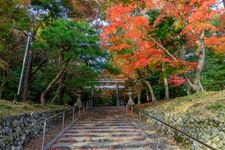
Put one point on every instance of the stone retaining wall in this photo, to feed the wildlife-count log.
(209, 130)
(18, 130)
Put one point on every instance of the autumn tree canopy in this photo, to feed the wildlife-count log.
(133, 41)
(162, 48)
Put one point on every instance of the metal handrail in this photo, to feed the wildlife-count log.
(63, 122)
(54, 116)
(68, 109)
(190, 137)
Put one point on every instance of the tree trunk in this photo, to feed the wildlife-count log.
(201, 61)
(188, 90)
(166, 85)
(190, 84)
(92, 96)
(59, 93)
(167, 96)
(38, 68)
(2, 87)
(4, 81)
(150, 90)
(117, 96)
(224, 3)
(61, 70)
(148, 85)
(139, 97)
(51, 84)
(196, 85)
(147, 97)
(26, 78)
(60, 89)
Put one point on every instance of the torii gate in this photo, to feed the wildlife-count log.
(104, 84)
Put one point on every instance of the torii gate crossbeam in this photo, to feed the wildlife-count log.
(115, 86)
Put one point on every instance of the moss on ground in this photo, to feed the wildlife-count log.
(209, 103)
(8, 108)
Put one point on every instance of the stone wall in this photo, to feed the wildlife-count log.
(209, 130)
(18, 130)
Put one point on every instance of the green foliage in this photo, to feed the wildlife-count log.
(77, 45)
(113, 70)
(153, 14)
(216, 106)
(54, 8)
(79, 42)
(213, 75)
(12, 17)
(80, 76)
(76, 40)
(73, 38)
(3, 64)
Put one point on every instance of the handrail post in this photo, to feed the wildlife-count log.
(195, 146)
(123, 106)
(43, 138)
(126, 110)
(63, 120)
(73, 113)
(139, 116)
(157, 139)
(79, 111)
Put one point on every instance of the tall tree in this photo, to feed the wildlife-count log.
(195, 17)
(13, 21)
(67, 42)
(41, 13)
(127, 38)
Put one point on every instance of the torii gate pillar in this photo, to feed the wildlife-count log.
(117, 96)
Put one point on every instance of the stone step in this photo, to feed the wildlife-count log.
(107, 128)
(137, 148)
(102, 123)
(103, 130)
(101, 139)
(105, 118)
(108, 145)
(103, 127)
(68, 134)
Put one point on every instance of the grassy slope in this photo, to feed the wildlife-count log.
(209, 103)
(8, 108)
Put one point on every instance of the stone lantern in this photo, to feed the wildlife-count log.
(78, 103)
(130, 103)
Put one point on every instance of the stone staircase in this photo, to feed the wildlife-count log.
(104, 128)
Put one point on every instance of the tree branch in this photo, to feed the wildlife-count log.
(39, 67)
(162, 47)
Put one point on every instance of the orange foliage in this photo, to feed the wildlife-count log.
(217, 43)
(195, 14)
(119, 47)
(176, 81)
(222, 20)
(127, 34)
